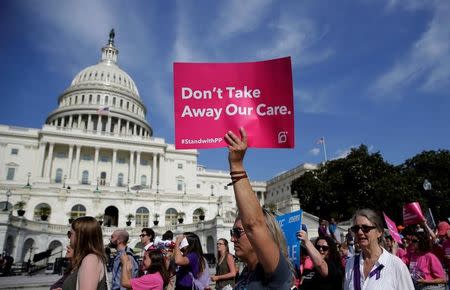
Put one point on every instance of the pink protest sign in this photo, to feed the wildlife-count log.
(392, 229)
(412, 214)
(213, 98)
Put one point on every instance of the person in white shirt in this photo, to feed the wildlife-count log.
(374, 268)
(147, 238)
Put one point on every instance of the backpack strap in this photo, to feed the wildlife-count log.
(356, 273)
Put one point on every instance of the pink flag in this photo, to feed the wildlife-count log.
(212, 98)
(392, 229)
(412, 214)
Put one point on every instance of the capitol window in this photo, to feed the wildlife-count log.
(142, 215)
(58, 176)
(85, 177)
(179, 184)
(14, 151)
(171, 217)
(104, 158)
(77, 211)
(144, 180)
(180, 166)
(120, 179)
(10, 174)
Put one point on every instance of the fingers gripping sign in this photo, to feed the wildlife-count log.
(236, 146)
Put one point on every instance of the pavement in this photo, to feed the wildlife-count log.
(35, 282)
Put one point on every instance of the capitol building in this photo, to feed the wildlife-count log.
(96, 155)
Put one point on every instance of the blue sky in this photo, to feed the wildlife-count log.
(375, 72)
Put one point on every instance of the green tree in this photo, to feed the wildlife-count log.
(433, 166)
(360, 180)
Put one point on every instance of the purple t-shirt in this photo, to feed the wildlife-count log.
(183, 277)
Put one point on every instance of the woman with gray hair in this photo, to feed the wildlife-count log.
(374, 268)
(257, 237)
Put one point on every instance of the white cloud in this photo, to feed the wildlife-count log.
(314, 151)
(342, 153)
(238, 17)
(297, 37)
(426, 65)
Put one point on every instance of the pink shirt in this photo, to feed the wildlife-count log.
(148, 282)
(401, 253)
(428, 267)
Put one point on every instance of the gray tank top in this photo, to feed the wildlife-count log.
(71, 282)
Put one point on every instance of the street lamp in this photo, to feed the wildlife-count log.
(426, 185)
(128, 185)
(218, 208)
(212, 190)
(184, 184)
(8, 194)
(64, 181)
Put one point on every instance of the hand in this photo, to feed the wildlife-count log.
(236, 146)
(214, 278)
(302, 236)
(178, 240)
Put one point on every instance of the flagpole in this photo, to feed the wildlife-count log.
(324, 149)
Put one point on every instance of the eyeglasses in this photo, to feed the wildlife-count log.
(236, 232)
(364, 228)
(322, 247)
(143, 235)
(414, 241)
(219, 244)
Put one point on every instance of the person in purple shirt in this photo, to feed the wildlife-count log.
(188, 256)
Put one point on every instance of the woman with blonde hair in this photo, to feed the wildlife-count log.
(226, 268)
(89, 259)
(257, 237)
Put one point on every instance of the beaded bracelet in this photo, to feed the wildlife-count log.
(236, 176)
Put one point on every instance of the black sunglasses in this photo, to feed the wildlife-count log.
(364, 228)
(323, 247)
(142, 235)
(414, 241)
(236, 232)
(69, 234)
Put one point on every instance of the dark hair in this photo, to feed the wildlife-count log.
(149, 232)
(158, 265)
(195, 247)
(88, 240)
(225, 242)
(333, 254)
(424, 244)
(168, 235)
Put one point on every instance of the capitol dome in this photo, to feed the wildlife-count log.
(103, 97)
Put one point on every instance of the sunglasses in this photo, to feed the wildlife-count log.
(142, 235)
(414, 241)
(236, 232)
(364, 228)
(69, 234)
(322, 247)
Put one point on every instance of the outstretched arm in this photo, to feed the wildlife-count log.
(250, 211)
(125, 279)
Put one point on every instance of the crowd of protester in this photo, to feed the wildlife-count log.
(365, 257)
(370, 258)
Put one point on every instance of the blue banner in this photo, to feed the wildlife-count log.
(291, 223)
